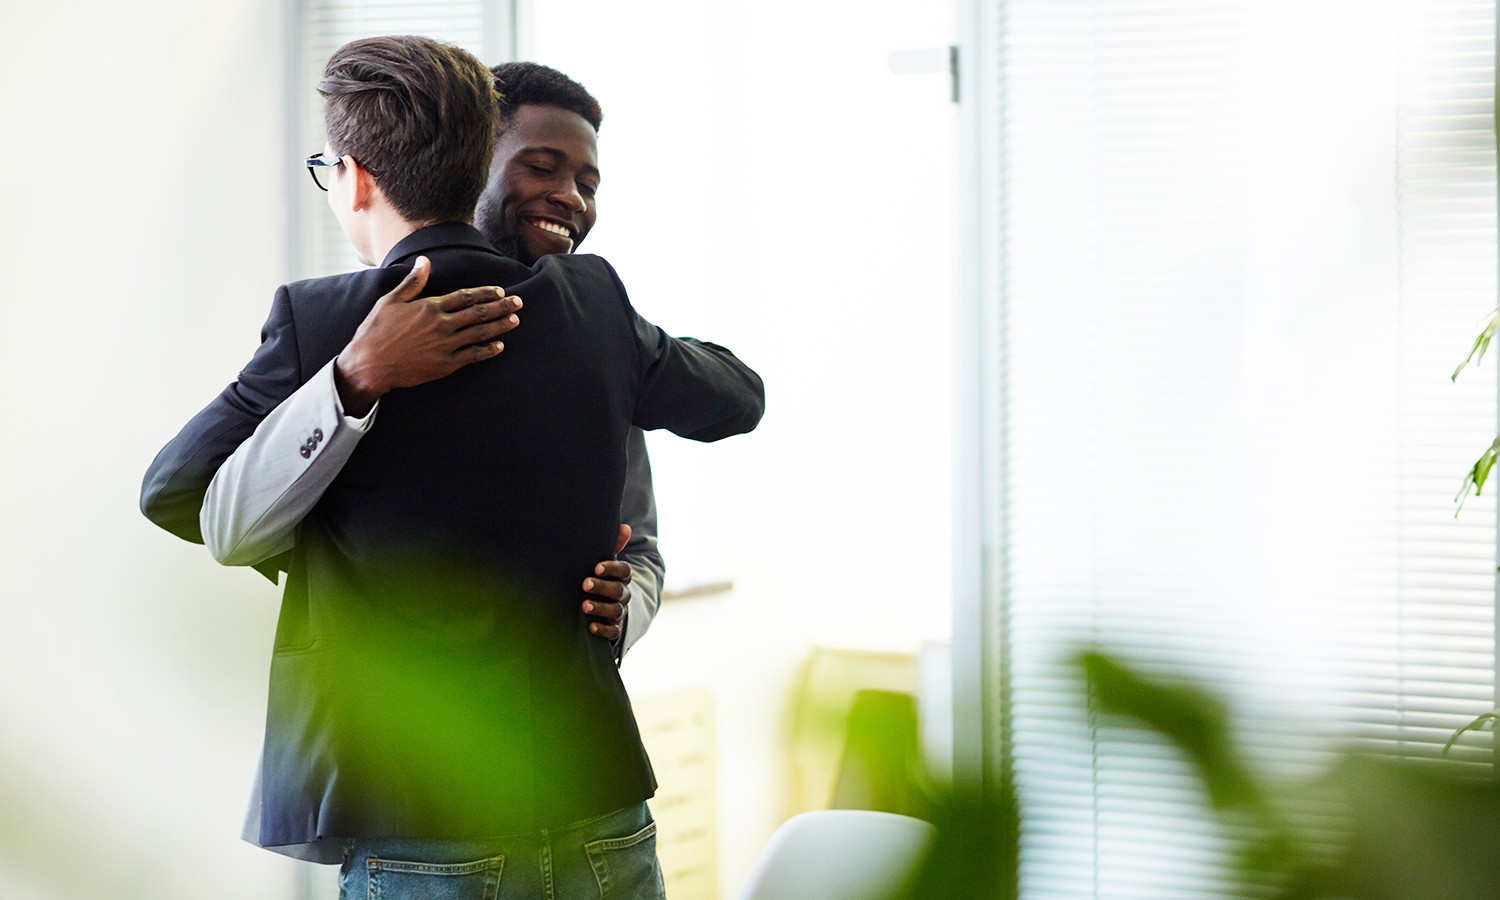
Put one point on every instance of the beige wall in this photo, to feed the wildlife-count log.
(143, 207)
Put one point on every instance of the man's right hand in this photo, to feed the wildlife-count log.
(406, 341)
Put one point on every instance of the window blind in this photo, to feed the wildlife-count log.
(1244, 246)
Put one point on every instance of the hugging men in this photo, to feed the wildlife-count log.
(545, 165)
(437, 702)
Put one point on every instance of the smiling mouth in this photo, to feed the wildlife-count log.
(552, 228)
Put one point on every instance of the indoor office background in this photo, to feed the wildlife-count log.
(1144, 340)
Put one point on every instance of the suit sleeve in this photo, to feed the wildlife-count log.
(692, 388)
(269, 484)
(647, 570)
(177, 480)
(695, 389)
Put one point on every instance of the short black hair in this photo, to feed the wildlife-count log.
(521, 83)
(413, 112)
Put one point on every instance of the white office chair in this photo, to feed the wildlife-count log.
(839, 854)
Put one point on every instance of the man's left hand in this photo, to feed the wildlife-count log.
(610, 587)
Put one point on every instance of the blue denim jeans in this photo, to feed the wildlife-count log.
(610, 856)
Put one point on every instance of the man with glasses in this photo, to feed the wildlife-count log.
(542, 111)
(433, 685)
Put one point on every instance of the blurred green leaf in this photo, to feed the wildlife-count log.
(1479, 723)
(1414, 830)
(1270, 853)
(1474, 481)
(1372, 828)
(977, 850)
(1189, 716)
(1481, 344)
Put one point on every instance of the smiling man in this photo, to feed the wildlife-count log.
(433, 679)
(540, 198)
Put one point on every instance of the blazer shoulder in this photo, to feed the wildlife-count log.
(578, 264)
(590, 276)
(314, 295)
(326, 311)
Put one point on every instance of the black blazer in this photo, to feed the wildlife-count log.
(433, 674)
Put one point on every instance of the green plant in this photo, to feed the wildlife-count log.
(1480, 471)
(1405, 829)
(1381, 827)
(1485, 720)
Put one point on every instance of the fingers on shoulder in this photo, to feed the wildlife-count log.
(414, 281)
(468, 297)
(486, 350)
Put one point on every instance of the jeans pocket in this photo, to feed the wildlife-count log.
(627, 866)
(393, 879)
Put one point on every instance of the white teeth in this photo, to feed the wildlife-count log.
(552, 227)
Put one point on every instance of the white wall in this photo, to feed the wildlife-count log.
(142, 189)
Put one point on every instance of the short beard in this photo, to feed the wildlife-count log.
(510, 245)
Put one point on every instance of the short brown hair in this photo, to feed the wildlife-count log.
(418, 114)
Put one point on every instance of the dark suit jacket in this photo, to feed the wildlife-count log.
(433, 675)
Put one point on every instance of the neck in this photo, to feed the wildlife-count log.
(388, 233)
(384, 230)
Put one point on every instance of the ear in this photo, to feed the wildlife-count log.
(364, 185)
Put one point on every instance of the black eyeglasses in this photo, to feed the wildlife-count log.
(319, 161)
